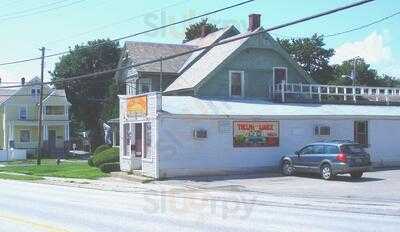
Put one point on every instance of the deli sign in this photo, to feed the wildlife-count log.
(256, 134)
(136, 106)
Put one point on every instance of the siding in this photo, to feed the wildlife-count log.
(180, 155)
(257, 65)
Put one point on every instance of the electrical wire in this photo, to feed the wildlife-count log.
(32, 9)
(229, 40)
(136, 34)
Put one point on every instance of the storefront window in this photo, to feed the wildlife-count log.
(361, 132)
(147, 140)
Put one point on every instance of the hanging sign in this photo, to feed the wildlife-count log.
(136, 106)
(256, 134)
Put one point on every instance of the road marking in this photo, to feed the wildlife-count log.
(22, 221)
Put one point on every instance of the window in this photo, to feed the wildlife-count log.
(130, 87)
(330, 149)
(22, 113)
(199, 134)
(322, 131)
(24, 136)
(318, 149)
(35, 92)
(236, 83)
(147, 140)
(144, 85)
(361, 132)
(55, 110)
(279, 75)
(307, 150)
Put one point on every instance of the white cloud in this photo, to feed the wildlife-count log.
(373, 49)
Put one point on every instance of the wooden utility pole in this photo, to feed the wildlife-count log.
(161, 74)
(40, 129)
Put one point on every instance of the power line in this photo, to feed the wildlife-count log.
(102, 27)
(136, 34)
(229, 40)
(346, 31)
(363, 26)
(33, 9)
(41, 11)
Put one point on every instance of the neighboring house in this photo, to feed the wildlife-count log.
(225, 109)
(19, 118)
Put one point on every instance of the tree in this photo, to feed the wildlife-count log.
(89, 96)
(365, 75)
(194, 30)
(311, 55)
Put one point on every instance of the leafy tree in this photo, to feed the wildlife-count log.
(194, 30)
(89, 96)
(311, 55)
(365, 75)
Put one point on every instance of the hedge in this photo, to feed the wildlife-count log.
(110, 155)
(101, 148)
(90, 162)
(110, 167)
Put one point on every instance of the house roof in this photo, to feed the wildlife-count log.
(206, 64)
(187, 105)
(140, 52)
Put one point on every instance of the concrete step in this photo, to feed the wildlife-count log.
(135, 176)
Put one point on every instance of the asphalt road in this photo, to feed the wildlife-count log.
(48, 208)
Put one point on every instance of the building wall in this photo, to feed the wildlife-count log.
(180, 154)
(257, 65)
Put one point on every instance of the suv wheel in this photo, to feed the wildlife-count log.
(287, 168)
(326, 172)
(356, 175)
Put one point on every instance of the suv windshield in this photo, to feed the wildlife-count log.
(353, 149)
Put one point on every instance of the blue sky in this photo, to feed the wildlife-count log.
(70, 22)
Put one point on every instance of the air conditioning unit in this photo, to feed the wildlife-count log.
(199, 133)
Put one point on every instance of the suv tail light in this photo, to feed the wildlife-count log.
(341, 157)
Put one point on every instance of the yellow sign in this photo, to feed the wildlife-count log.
(137, 106)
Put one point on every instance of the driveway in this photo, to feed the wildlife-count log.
(383, 185)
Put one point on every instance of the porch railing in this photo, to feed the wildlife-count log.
(352, 93)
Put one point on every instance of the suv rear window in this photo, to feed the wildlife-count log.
(353, 149)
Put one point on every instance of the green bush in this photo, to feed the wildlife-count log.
(110, 155)
(101, 148)
(90, 162)
(110, 167)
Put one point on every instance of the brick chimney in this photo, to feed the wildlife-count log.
(23, 81)
(254, 21)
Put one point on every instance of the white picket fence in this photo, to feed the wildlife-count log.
(12, 154)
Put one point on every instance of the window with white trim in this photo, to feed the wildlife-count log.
(24, 136)
(280, 75)
(144, 85)
(236, 83)
(322, 131)
(22, 113)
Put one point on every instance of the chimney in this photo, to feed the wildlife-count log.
(254, 21)
(203, 31)
(23, 81)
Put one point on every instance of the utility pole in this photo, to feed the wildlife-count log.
(161, 75)
(353, 76)
(40, 129)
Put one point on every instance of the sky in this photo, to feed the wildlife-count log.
(27, 25)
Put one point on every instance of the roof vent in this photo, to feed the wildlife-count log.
(254, 21)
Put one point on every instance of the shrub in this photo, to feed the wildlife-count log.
(101, 148)
(110, 167)
(110, 155)
(90, 162)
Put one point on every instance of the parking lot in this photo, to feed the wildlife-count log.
(379, 185)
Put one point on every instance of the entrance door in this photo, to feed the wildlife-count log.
(52, 140)
(138, 140)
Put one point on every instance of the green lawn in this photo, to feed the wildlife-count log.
(6, 176)
(49, 168)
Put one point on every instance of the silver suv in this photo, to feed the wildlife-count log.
(328, 159)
